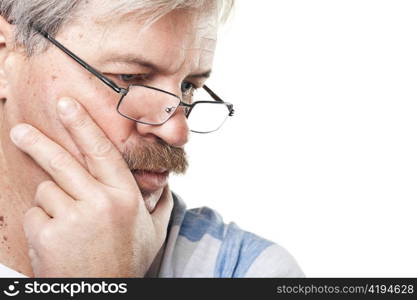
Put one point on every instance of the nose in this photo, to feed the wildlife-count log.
(174, 132)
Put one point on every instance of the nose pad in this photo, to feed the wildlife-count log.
(170, 109)
(174, 131)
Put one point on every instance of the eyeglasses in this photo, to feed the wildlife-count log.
(153, 106)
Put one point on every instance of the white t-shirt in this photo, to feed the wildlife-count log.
(7, 272)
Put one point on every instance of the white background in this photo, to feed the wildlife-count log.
(321, 156)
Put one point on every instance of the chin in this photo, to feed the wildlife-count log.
(151, 198)
(151, 185)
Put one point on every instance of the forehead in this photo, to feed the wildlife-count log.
(181, 39)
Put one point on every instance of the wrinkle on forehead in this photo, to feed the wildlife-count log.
(206, 55)
(191, 38)
(181, 40)
(203, 37)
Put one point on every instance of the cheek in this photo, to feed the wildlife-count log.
(31, 99)
(37, 90)
(105, 115)
(101, 104)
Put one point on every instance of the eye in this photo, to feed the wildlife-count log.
(187, 88)
(132, 78)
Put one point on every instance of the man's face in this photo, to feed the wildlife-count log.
(179, 45)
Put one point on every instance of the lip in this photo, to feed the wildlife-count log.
(151, 181)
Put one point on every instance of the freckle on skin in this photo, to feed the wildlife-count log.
(2, 223)
(54, 77)
(4, 237)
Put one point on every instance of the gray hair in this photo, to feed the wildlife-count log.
(51, 15)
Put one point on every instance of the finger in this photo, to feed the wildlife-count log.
(163, 210)
(52, 199)
(103, 159)
(63, 168)
(35, 219)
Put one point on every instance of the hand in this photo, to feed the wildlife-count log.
(88, 222)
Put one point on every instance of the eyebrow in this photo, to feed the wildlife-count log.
(203, 75)
(132, 59)
(137, 60)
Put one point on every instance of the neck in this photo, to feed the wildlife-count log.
(16, 194)
(13, 246)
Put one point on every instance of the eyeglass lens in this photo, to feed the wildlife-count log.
(154, 107)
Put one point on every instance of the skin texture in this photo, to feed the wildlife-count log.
(70, 205)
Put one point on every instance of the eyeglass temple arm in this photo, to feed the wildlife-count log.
(217, 98)
(213, 94)
(106, 80)
(89, 68)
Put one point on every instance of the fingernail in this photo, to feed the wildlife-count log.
(18, 132)
(67, 106)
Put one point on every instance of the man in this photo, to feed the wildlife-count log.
(97, 101)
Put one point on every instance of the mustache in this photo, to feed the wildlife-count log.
(151, 156)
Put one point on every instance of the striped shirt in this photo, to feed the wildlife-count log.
(200, 244)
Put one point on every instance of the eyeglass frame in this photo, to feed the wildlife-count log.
(123, 91)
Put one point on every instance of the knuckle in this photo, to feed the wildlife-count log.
(114, 205)
(80, 122)
(45, 237)
(32, 254)
(27, 219)
(102, 147)
(130, 205)
(104, 206)
(43, 187)
(60, 160)
(72, 217)
(125, 200)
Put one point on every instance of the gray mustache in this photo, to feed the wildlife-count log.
(156, 155)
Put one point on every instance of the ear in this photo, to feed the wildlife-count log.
(6, 47)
